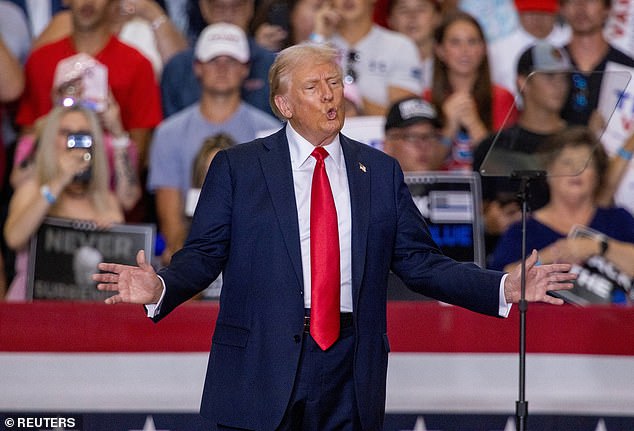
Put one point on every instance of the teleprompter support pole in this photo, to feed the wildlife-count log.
(521, 405)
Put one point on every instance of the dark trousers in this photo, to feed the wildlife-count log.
(323, 397)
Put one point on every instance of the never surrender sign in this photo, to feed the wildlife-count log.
(64, 254)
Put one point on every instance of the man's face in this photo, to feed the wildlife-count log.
(87, 15)
(237, 12)
(585, 16)
(416, 19)
(313, 101)
(354, 10)
(417, 147)
(539, 24)
(221, 75)
(546, 91)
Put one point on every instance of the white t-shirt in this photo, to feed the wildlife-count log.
(139, 34)
(385, 59)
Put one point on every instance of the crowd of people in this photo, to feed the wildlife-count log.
(153, 89)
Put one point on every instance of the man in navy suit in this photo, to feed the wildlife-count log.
(252, 223)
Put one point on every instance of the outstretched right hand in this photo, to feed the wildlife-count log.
(135, 284)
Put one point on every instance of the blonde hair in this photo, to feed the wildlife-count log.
(46, 165)
(213, 143)
(289, 59)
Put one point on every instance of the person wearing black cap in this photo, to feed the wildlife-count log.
(412, 136)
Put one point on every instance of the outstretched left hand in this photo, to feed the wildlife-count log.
(539, 280)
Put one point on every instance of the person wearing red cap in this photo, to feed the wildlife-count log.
(537, 22)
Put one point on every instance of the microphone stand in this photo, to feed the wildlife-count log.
(521, 405)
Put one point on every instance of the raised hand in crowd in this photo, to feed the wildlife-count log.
(326, 20)
(168, 39)
(126, 173)
(270, 36)
(461, 111)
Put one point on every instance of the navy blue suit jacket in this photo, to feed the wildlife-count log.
(246, 226)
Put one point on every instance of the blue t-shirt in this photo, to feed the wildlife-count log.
(14, 31)
(178, 139)
(617, 223)
(180, 87)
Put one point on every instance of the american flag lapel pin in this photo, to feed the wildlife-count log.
(362, 167)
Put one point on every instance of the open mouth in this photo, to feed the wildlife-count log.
(331, 114)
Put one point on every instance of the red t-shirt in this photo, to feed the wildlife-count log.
(130, 77)
(503, 103)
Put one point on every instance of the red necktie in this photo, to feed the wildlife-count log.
(324, 257)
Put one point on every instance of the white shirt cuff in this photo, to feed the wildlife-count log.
(504, 308)
(154, 309)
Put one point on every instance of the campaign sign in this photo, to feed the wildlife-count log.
(369, 129)
(450, 203)
(616, 104)
(64, 254)
(619, 29)
(598, 281)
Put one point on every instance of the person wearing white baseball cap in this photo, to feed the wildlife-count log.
(179, 86)
(222, 39)
(221, 64)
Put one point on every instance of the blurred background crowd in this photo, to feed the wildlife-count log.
(111, 110)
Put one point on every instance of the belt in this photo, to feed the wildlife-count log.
(345, 321)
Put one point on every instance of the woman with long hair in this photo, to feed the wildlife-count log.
(71, 181)
(470, 104)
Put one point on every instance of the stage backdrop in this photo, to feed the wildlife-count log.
(450, 369)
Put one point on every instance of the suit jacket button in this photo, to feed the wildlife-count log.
(297, 338)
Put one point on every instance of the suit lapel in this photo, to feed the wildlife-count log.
(358, 172)
(278, 175)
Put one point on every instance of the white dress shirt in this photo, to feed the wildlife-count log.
(303, 165)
